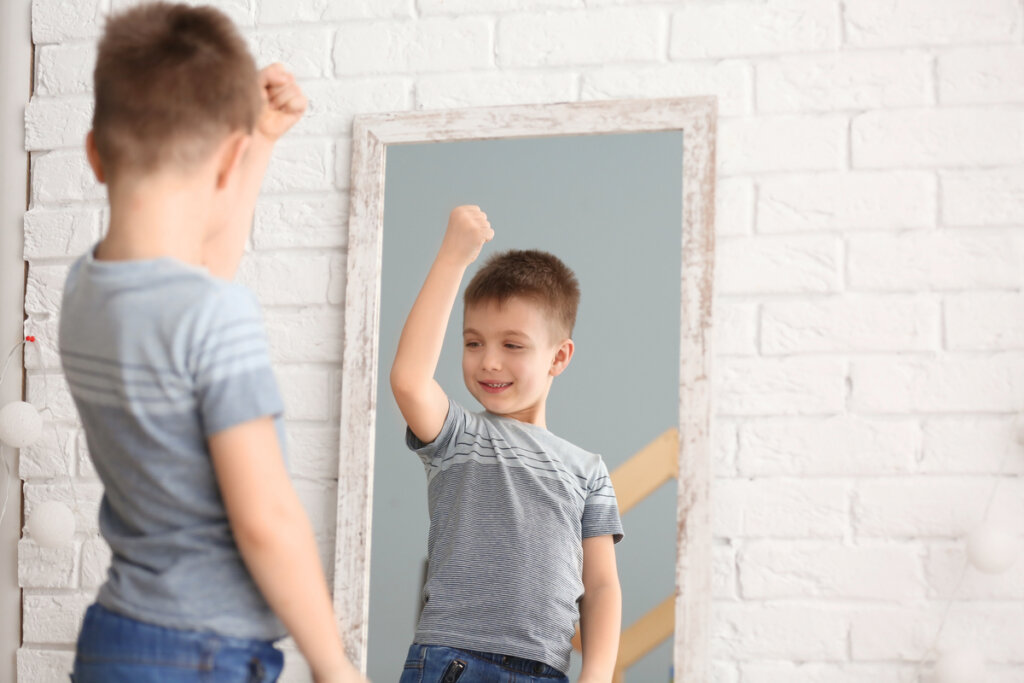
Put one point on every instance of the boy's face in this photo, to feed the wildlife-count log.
(510, 355)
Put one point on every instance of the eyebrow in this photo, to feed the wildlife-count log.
(470, 330)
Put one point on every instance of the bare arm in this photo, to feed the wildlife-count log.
(276, 541)
(283, 105)
(600, 610)
(421, 399)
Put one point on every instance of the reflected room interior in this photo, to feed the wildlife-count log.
(610, 206)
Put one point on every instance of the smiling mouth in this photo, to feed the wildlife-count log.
(495, 387)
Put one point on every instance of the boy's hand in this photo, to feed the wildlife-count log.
(468, 230)
(283, 102)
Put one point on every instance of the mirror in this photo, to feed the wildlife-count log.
(609, 202)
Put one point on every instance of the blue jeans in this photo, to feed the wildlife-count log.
(438, 664)
(113, 648)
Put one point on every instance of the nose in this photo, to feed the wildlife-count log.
(491, 359)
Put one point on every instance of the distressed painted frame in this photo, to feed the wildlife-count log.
(696, 118)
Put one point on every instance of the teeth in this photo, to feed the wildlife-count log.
(497, 386)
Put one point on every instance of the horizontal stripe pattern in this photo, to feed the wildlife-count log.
(509, 506)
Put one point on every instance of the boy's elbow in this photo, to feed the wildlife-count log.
(404, 386)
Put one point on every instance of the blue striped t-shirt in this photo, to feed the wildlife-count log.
(159, 355)
(510, 504)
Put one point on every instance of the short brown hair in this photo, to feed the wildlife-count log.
(530, 274)
(171, 81)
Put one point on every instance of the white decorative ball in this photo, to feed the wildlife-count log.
(20, 424)
(51, 524)
(962, 664)
(992, 549)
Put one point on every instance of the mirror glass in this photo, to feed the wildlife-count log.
(610, 206)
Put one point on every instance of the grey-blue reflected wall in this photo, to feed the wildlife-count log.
(610, 206)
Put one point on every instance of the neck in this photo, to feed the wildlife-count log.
(155, 217)
(535, 415)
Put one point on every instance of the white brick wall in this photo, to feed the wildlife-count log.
(870, 345)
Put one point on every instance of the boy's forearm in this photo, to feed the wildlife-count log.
(419, 347)
(223, 254)
(283, 560)
(600, 625)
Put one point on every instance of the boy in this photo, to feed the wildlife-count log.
(522, 523)
(167, 362)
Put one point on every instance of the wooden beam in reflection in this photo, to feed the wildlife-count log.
(646, 633)
(645, 472)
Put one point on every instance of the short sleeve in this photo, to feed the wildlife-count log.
(454, 424)
(230, 361)
(601, 509)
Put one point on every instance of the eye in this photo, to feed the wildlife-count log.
(514, 347)
(472, 344)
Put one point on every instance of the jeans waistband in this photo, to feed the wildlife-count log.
(517, 664)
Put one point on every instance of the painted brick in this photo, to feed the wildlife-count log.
(735, 328)
(301, 221)
(734, 206)
(323, 11)
(817, 672)
(943, 568)
(42, 355)
(935, 260)
(834, 446)
(872, 23)
(430, 7)
(40, 567)
(342, 164)
(287, 277)
(239, 11)
(95, 562)
(300, 165)
(981, 75)
(724, 445)
(791, 143)
(939, 507)
(334, 104)
(905, 633)
(44, 666)
(799, 509)
(83, 500)
(850, 323)
(593, 37)
(305, 51)
(983, 321)
(844, 81)
(943, 385)
(415, 46)
(762, 265)
(55, 22)
(60, 233)
(723, 573)
(304, 391)
(730, 81)
(53, 123)
(68, 178)
(971, 445)
(983, 197)
(813, 569)
(730, 29)
(751, 631)
(48, 392)
(494, 89)
(65, 69)
(337, 282)
(44, 289)
(937, 137)
(313, 451)
(798, 386)
(54, 618)
(312, 334)
(53, 455)
(845, 201)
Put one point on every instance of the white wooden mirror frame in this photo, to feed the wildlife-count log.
(696, 118)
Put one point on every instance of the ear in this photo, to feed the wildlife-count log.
(562, 357)
(93, 155)
(229, 157)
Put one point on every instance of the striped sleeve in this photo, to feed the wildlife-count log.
(454, 423)
(601, 510)
(230, 361)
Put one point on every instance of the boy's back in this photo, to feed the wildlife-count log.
(159, 355)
